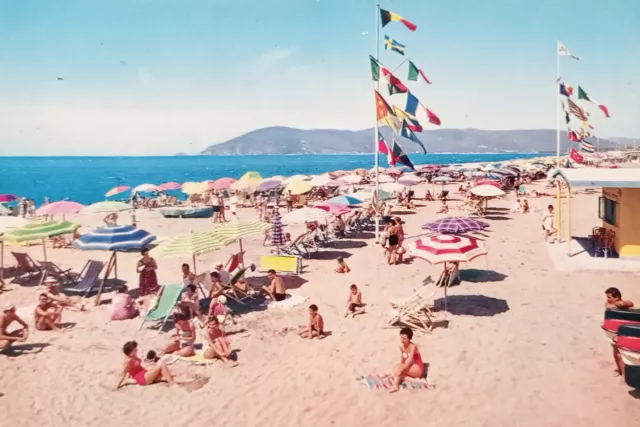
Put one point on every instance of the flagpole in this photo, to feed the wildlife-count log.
(376, 128)
(558, 105)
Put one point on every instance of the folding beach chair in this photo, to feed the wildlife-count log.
(296, 246)
(416, 311)
(281, 263)
(234, 262)
(26, 266)
(88, 277)
(167, 300)
(235, 293)
(50, 268)
(425, 292)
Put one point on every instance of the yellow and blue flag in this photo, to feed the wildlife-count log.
(391, 44)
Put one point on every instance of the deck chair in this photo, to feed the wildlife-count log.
(88, 277)
(416, 312)
(234, 262)
(50, 268)
(295, 247)
(235, 293)
(26, 266)
(281, 263)
(167, 300)
(425, 292)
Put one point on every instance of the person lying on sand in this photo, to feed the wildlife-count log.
(354, 302)
(411, 364)
(53, 293)
(615, 302)
(315, 328)
(216, 345)
(183, 339)
(47, 315)
(7, 317)
(133, 368)
(277, 290)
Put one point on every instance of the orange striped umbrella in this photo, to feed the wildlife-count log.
(117, 190)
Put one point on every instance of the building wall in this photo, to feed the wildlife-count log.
(627, 226)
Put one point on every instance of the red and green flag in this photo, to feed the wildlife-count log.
(416, 73)
(387, 16)
(394, 83)
(394, 153)
(583, 95)
(376, 69)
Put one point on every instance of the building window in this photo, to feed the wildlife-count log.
(608, 210)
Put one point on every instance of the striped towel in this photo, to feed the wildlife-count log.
(384, 381)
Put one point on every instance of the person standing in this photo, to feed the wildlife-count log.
(147, 269)
(548, 224)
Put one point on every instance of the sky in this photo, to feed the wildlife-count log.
(154, 77)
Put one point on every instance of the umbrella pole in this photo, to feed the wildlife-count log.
(1, 260)
(241, 253)
(195, 271)
(115, 264)
(44, 249)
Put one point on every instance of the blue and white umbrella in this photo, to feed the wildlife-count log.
(114, 238)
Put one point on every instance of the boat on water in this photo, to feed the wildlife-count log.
(186, 212)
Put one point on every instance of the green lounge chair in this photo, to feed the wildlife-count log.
(167, 299)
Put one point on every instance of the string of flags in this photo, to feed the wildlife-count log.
(403, 122)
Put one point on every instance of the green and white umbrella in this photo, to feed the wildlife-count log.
(191, 244)
(107, 207)
(238, 229)
(40, 230)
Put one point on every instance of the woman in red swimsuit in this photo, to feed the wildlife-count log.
(133, 368)
(411, 364)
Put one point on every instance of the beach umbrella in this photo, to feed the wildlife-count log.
(333, 209)
(352, 179)
(40, 230)
(298, 187)
(393, 171)
(107, 207)
(486, 191)
(222, 183)
(338, 182)
(429, 168)
(366, 195)
(144, 188)
(442, 179)
(380, 170)
(166, 186)
(249, 180)
(191, 244)
(492, 177)
(297, 178)
(277, 235)
(251, 176)
(385, 179)
(445, 248)
(321, 180)
(269, 184)
(117, 190)
(240, 228)
(57, 208)
(455, 225)
(344, 200)
(10, 222)
(114, 238)
(278, 177)
(4, 198)
(409, 181)
(300, 216)
(489, 182)
(191, 187)
(392, 186)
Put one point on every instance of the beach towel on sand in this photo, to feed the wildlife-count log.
(384, 381)
(196, 359)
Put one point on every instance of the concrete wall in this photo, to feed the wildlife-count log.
(627, 227)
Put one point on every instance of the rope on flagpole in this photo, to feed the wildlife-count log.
(558, 105)
(376, 128)
(399, 65)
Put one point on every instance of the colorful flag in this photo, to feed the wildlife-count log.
(394, 154)
(385, 114)
(583, 95)
(412, 122)
(567, 118)
(408, 133)
(573, 136)
(433, 118)
(375, 68)
(415, 72)
(577, 111)
(563, 51)
(394, 84)
(391, 44)
(412, 104)
(563, 90)
(575, 156)
(588, 147)
(387, 16)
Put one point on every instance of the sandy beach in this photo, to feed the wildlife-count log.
(523, 345)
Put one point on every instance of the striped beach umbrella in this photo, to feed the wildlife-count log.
(40, 230)
(191, 245)
(238, 229)
(455, 225)
(300, 216)
(344, 200)
(333, 209)
(446, 248)
(4, 198)
(107, 207)
(222, 183)
(62, 207)
(117, 190)
(144, 188)
(114, 238)
(277, 235)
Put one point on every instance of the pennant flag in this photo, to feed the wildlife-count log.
(394, 154)
(563, 51)
(375, 69)
(387, 16)
(415, 72)
(563, 90)
(412, 123)
(412, 104)
(575, 156)
(588, 147)
(385, 114)
(573, 136)
(395, 85)
(391, 44)
(586, 124)
(567, 118)
(577, 111)
(583, 95)
(408, 133)
(433, 118)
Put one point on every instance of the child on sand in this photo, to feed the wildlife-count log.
(315, 328)
(342, 266)
(216, 344)
(354, 302)
(411, 364)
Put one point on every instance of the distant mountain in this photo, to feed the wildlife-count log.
(284, 140)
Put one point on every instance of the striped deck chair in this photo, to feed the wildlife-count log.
(416, 311)
(26, 266)
(50, 268)
(88, 277)
(167, 300)
(296, 247)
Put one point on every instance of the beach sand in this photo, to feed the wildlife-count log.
(523, 346)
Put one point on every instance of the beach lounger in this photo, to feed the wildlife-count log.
(167, 300)
(281, 263)
(232, 291)
(425, 292)
(88, 277)
(415, 313)
(25, 266)
(296, 247)
(50, 268)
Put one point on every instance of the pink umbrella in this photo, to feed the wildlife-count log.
(170, 186)
(222, 184)
(393, 171)
(8, 198)
(117, 190)
(489, 182)
(333, 209)
(62, 207)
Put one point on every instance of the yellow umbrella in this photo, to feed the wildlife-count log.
(249, 180)
(298, 187)
(195, 187)
(191, 244)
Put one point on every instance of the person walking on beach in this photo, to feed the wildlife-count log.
(147, 269)
(548, 224)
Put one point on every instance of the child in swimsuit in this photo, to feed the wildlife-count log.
(342, 266)
(315, 328)
(354, 302)
(411, 364)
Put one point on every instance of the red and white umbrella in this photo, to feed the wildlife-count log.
(62, 207)
(169, 186)
(333, 208)
(446, 248)
(489, 182)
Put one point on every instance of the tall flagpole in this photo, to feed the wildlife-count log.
(376, 128)
(558, 105)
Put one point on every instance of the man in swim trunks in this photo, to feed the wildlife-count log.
(315, 328)
(47, 315)
(277, 290)
(7, 317)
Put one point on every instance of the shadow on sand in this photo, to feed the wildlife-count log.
(20, 349)
(472, 305)
(474, 275)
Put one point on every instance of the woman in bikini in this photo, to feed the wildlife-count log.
(393, 240)
(411, 364)
(216, 344)
(183, 339)
(134, 369)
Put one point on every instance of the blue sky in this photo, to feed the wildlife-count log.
(158, 77)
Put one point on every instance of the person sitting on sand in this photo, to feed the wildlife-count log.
(134, 369)
(7, 317)
(315, 328)
(615, 302)
(354, 302)
(188, 278)
(111, 219)
(216, 285)
(47, 315)
(189, 302)
(517, 207)
(428, 196)
(123, 306)
(411, 364)
(217, 344)
(52, 289)
(342, 266)
(183, 339)
(277, 290)
(525, 207)
(445, 208)
(219, 309)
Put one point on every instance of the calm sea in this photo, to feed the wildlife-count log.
(87, 179)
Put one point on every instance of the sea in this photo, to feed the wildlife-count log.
(87, 179)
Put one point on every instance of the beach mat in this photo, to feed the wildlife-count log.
(196, 359)
(384, 381)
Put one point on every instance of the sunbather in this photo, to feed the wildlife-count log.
(134, 369)
(47, 315)
(187, 276)
(342, 266)
(354, 302)
(411, 364)
(123, 306)
(7, 317)
(277, 290)
(183, 339)
(445, 207)
(315, 328)
(217, 345)
(53, 293)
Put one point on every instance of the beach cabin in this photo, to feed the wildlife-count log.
(619, 203)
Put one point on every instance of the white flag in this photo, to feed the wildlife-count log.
(563, 51)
